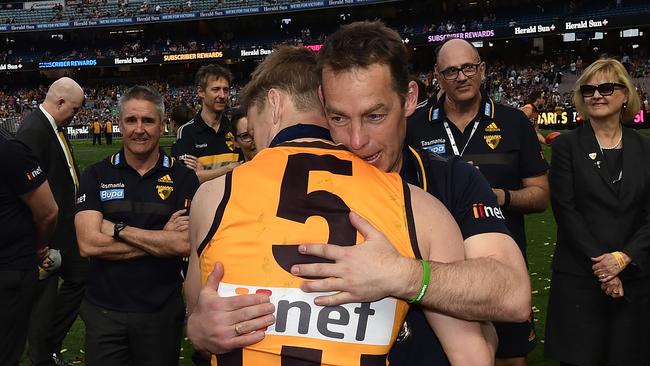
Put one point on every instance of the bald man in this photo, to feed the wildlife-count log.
(56, 307)
(500, 141)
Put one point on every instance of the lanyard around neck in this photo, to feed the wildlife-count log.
(452, 140)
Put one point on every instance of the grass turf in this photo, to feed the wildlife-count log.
(540, 229)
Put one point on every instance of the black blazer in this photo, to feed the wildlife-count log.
(37, 132)
(591, 218)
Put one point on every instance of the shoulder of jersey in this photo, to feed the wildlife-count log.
(180, 129)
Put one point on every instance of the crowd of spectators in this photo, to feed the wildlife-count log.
(512, 85)
(101, 102)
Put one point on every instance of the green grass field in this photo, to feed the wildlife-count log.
(540, 229)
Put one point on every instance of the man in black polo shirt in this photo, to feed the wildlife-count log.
(501, 143)
(28, 214)
(206, 141)
(131, 221)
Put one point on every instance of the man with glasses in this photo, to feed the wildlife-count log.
(206, 144)
(243, 140)
(501, 143)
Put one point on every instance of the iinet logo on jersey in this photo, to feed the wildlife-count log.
(481, 211)
(297, 316)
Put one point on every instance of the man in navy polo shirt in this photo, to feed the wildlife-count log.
(501, 143)
(131, 221)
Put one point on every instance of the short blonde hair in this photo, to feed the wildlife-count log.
(610, 67)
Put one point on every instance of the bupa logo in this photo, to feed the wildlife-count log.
(296, 315)
(481, 211)
(437, 148)
(111, 194)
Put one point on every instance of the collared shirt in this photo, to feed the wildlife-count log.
(121, 194)
(504, 147)
(66, 151)
(213, 149)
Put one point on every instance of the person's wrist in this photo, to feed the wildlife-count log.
(117, 229)
(407, 282)
(506, 198)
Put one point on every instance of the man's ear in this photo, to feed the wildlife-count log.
(411, 98)
(321, 96)
(275, 103)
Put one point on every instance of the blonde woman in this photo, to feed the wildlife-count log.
(600, 191)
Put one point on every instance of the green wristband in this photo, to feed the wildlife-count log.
(426, 275)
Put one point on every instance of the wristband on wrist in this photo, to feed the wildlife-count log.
(506, 198)
(426, 276)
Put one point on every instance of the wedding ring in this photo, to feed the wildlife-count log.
(238, 329)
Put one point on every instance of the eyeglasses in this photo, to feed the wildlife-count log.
(604, 89)
(245, 136)
(468, 70)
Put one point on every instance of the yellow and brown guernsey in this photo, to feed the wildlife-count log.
(302, 193)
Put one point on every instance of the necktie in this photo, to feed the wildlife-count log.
(68, 153)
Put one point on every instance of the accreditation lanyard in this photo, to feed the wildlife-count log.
(452, 140)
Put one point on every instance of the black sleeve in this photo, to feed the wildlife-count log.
(638, 246)
(531, 159)
(88, 194)
(21, 169)
(187, 189)
(567, 217)
(36, 141)
(182, 146)
(471, 196)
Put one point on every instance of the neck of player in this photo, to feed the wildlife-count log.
(211, 118)
(461, 113)
(142, 163)
(608, 132)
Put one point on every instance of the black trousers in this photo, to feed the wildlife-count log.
(109, 138)
(97, 137)
(17, 291)
(56, 307)
(142, 339)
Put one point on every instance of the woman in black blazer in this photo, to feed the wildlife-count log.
(598, 312)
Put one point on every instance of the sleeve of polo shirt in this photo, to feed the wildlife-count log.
(181, 147)
(21, 168)
(88, 193)
(188, 187)
(469, 190)
(531, 159)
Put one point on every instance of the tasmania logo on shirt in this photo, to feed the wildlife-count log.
(481, 211)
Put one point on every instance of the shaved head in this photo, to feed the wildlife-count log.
(455, 43)
(63, 88)
(63, 100)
